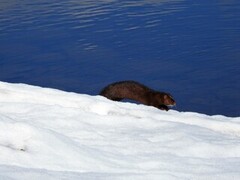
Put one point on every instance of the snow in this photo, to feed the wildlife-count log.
(51, 134)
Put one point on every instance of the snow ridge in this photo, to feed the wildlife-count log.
(52, 134)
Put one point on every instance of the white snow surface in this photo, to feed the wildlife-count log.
(51, 134)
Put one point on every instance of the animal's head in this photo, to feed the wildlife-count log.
(168, 100)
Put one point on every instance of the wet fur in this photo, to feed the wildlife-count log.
(138, 92)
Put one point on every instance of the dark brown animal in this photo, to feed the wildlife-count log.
(138, 92)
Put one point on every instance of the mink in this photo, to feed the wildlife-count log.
(136, 91)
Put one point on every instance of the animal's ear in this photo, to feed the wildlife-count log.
(165, 96)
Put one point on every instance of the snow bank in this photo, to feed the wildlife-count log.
(51, 134)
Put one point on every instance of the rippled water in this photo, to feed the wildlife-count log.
(190, 49)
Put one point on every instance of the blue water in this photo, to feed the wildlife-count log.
(188, 48)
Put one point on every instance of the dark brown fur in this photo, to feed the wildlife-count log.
(138, 92)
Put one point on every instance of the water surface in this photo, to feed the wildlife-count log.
(190, 49)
